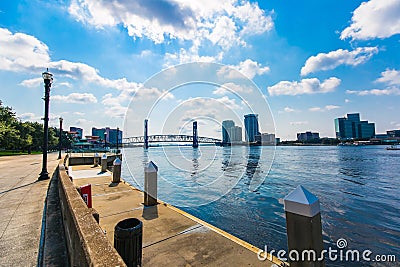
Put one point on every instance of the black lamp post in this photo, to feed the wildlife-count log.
(48, 79)
(105, 140)
(60, 139)
(117, 138)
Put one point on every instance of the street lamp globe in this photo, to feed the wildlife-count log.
(47, 77)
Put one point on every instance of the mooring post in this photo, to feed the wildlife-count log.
(303, 227)
(104, 163)
(116, 170)
(150, 184)
(96, 160)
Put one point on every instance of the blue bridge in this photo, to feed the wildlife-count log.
(170, 138)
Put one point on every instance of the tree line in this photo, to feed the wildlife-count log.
(27, 136)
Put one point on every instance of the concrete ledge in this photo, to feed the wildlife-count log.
(86, 242)
(72, 161)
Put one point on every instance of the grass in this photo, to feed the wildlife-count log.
(16, 153)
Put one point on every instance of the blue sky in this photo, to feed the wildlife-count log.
(312, 60)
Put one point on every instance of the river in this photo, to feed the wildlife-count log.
(240, 189)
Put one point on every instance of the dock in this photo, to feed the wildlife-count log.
(171, 237)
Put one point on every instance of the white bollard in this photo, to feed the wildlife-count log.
(96, 160)
(104, 163)
(303, 227)
(150, 184)
(116, 170)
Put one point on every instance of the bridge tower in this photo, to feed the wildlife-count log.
(195, 136)
(145, 135)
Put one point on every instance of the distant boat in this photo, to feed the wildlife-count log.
(393, 147)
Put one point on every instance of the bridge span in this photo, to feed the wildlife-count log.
(169, 138)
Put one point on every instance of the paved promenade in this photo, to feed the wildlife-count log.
(170, 237)
(21, 201)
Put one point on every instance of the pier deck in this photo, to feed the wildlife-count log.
(171, 237)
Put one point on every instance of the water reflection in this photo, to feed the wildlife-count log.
(195, 161)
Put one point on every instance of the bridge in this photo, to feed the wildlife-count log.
(170, 138)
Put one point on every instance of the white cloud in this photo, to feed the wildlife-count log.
(29, 116)
(248, 68)
(336, 58)
(79, 113)
(298, 122)
(326, 108)
(330, 107)
(187, 56)
(305, 86)
(391, 77)
(374, 19)
(376, 92)
(77, 98)
(224, 33)
(232, 88)
(21, 51)
(347, 100)
(32, 83)
(251, 68)
(224, 22)
(287, 109)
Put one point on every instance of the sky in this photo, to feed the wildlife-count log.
(298, 64)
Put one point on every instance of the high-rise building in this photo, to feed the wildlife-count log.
(251, 127)
(78, 132)
(111, 135)
(235, 134)
(307, 136)
(351, 127)
(226, 127)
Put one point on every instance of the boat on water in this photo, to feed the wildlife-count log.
(393, 147)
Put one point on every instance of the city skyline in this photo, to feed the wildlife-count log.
(313, 61)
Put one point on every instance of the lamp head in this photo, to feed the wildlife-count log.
(47, 77)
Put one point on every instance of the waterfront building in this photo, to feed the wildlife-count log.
(76, 131)
(393, 133)
(266, 139)
(251, 127)
(307, 136)
(226, 127)
(235, 134)
(351, 127)
(111, 135)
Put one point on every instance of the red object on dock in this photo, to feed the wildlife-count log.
(86, 193)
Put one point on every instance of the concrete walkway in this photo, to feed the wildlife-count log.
(171, 237)
(21, 207)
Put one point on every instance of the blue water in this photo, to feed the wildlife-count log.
(239, 189)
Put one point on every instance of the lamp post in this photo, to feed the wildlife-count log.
(48, 79)
(60, 139)
(117, 139)
(105, 140)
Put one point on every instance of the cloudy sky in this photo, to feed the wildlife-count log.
(312, 61)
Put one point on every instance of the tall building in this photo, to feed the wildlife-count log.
(78, 132)
(251, 127)
(111, 134)
(235, 134)
(226, 127)
(307, 136)
(351, 127)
